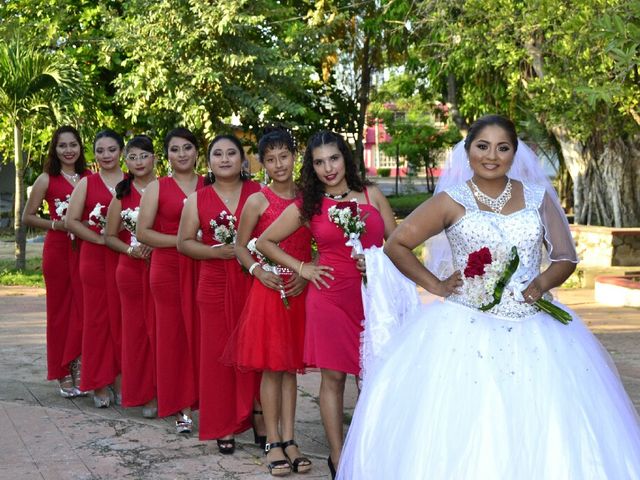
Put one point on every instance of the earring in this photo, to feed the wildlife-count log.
(169, 171)
(244, 175)
(210, 176)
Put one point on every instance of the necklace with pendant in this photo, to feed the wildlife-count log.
(72, 178)
(495, 204)
(337, 197)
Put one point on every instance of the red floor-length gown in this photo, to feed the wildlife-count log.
(138, 321)
(101, 335)
(335, 315)
(173, 281)
(226, 394)
(270, 336)
(60, 258)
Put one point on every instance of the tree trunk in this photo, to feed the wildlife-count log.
(452, 100)
(19, 200)
(605, 176)
(363, 103)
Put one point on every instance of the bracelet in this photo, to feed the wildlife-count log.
(130, 251)
(253, 267)
(53, 224)
(300, 269)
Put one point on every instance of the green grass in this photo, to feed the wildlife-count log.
(30, 277)
(403, 205)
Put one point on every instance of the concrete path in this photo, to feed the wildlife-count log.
(43, 436)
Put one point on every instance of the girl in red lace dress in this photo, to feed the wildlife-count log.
(64, 168)
(334, 302)
(270, 333)
(86, 218)
(172, 279)
(226, 394)
(132, 278)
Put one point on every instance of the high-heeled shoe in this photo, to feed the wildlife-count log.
(299, 464)
(258, 439)
(332, 468)
(278, 468)
(184, 423)
(75, 367)
(226, 447)
(67, 390)
(102, 401)
(150, 411)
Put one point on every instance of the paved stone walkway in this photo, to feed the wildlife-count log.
(43, 436)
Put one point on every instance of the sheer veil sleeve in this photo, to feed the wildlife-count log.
(557, 235)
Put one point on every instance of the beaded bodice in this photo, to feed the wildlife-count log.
(478, 228)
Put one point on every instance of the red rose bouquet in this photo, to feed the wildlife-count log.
(487, 275)
(223, 228)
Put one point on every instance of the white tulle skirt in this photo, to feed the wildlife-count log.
(459, 394)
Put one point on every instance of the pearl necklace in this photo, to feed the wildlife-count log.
(495, 204)
(72, 178)
(337, 197)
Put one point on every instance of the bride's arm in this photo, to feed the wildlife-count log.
(429, 219)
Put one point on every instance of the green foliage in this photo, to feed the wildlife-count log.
(384, 172)
(31, 276)
(403, 205)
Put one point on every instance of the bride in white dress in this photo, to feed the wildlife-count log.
(454, 393)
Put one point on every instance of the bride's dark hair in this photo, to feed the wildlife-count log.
(311, 186)
(503, 122)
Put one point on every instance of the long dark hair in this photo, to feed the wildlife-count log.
(310, 185)
(244, 175)
(52, 164)
(503, 122)
(143, 142)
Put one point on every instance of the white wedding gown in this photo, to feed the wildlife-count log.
(458, 394)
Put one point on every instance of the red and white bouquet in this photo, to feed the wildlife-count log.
(269, 266)
(61, 210)
(130, 221)
(61, 207)
(487, 275)
(97, 217)
(223, 228)
(347, 216)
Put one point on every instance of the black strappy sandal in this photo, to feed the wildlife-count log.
(277, 468)
(299, 464)
(258, 439)
(226, 447)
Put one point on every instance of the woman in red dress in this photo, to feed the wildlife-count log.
(226, 394)
(270, 333)
(172, 280)
(132, 279)
(86, 218)
(64, 168)
(334, 304)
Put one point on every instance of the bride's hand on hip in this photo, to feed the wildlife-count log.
(450, 285)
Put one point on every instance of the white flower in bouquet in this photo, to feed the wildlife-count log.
(346, 215)
(61, 207)
(130, 221)
(97, 217)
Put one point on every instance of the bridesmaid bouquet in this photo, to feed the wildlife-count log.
(346, 215)
(130, 220)
(268, 265)
(61, 211)
(487, 275)
(97, 217)
(224, 228)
